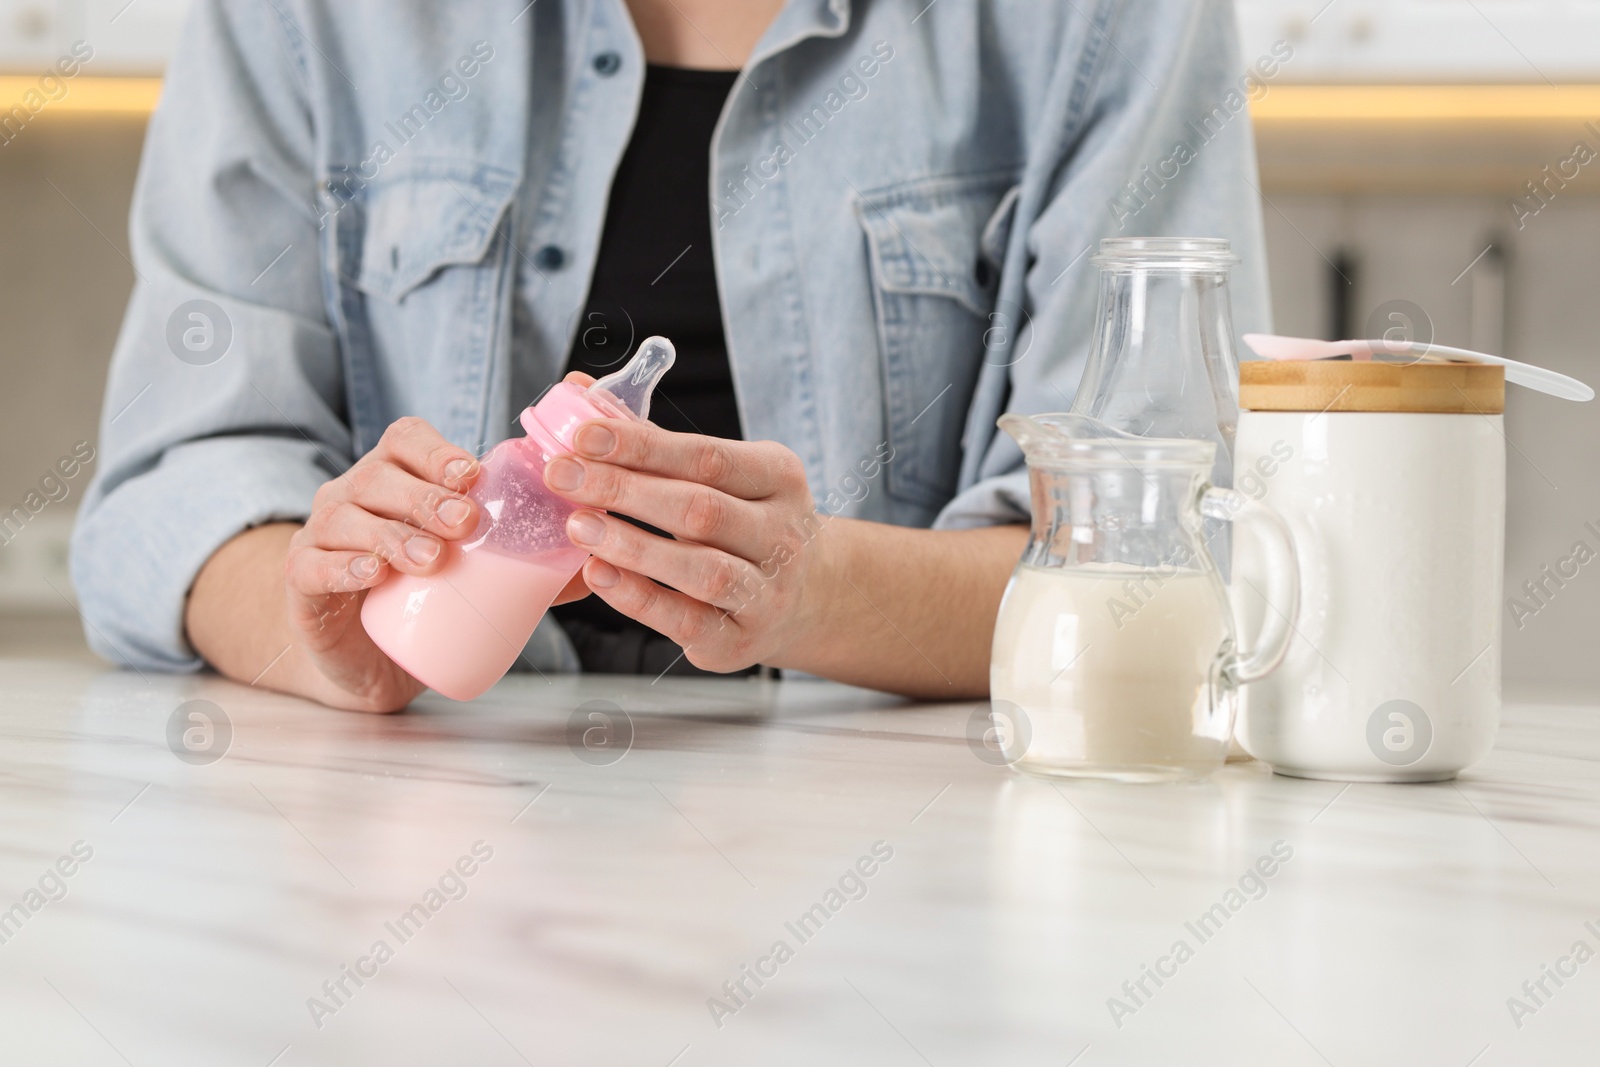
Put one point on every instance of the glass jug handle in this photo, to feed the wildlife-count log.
(1283, 580)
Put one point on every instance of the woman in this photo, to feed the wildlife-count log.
(367, 234)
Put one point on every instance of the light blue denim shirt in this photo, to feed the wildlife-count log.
(354, 210)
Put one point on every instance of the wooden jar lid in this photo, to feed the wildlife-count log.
(1347, 385)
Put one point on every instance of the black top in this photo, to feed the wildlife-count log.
(655, 275)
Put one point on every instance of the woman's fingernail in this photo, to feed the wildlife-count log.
(601, 575)
(586, 528)
(364, 567)
(457, 469)
(422, 549)
(564, 473)
(454, 512)
(596, 441)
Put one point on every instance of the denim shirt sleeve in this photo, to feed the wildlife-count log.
(1158, 66)
(222, 409)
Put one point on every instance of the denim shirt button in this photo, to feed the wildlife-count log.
(607, 64)
(549, 258)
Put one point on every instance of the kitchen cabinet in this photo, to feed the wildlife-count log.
(128, 36)
(1545, 41)
(1341, 41)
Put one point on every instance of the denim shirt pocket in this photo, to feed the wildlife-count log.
(423, 274)
(934, 287)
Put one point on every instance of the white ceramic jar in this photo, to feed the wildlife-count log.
(1392, 479)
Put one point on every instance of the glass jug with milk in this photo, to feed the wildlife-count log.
(1114, 653)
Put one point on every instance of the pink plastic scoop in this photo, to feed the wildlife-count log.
(1272, 346)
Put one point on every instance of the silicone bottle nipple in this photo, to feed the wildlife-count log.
(630, 388)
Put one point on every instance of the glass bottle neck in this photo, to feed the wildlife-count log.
(1162, 363)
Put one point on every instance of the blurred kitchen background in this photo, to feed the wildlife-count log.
(1417, 156)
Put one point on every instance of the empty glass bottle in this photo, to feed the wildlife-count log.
(1163, 362)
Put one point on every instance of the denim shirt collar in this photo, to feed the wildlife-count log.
(799, 20)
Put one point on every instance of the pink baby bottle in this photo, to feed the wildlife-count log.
(459, 630)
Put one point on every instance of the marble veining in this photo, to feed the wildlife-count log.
(629, 910)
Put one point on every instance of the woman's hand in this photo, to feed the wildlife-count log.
(756, 576)
(279, 605)
(394, 510)
(732, 589)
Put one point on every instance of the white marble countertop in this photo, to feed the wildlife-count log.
(617, 899)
